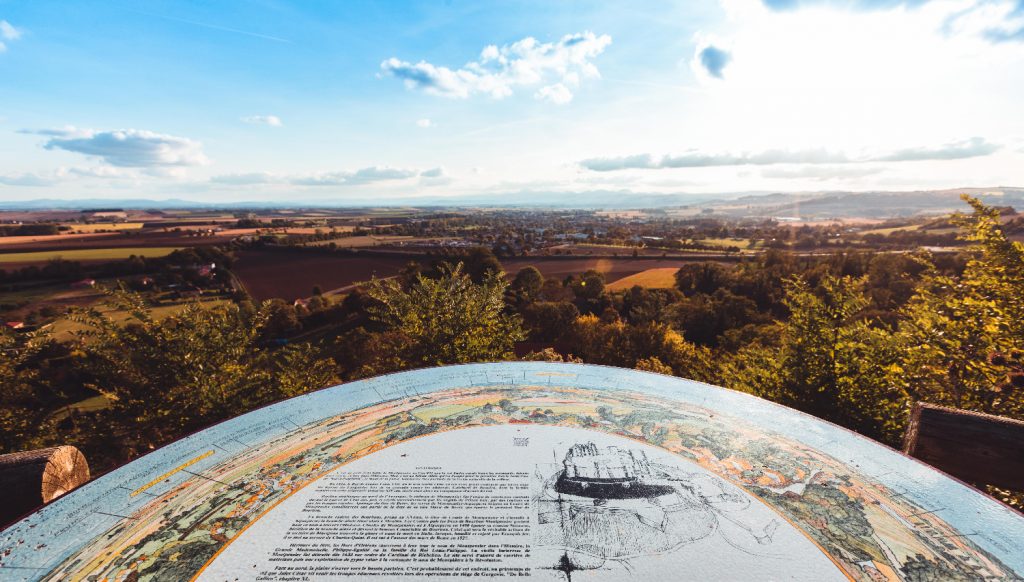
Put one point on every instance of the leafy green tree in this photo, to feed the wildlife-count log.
(444, 320)
(480, 263)
(167, 377)
(619, 344)
(526, 286)
(20, 410)
(962, 337)
(589, 286)
(549, 320)
(706, 277)
(653, 364)
(830, 362)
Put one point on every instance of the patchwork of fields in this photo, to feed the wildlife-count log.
(268, 274)
(111, 254)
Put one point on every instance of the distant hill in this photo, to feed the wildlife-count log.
(805, 205)
(825, 205)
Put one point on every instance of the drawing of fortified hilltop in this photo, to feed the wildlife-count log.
(608, 473)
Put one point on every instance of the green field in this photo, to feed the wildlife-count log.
(98, 226)
(659, 278)
(63, 329)
(740, 243)
(87, 254)
(890, 230)
(91, 404)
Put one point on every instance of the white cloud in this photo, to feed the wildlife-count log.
(558, 94)
(363, 176)
(26, 179)
(131, 148)
(7, 33)
(500, 70)
(435, 177)
(245, 179)
(820, 173)
(105, 172)
(971, 148)
(271, 120)
(425, 123)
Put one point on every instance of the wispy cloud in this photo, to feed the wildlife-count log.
(26, 179)
(246, 179)
(500, 70)
(821, 173)
(132, 148)
(271, 120)
(7, 34)
(996, 21)
(424, 123)
(784, 5)
(971, 148)
(358, 177)
(968, 148)
(212, 26)
(558, 94)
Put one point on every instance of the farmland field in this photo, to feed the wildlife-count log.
(52, 239)
(94, 227)
(63, 328)
(90, 241)
(612, 269)
(267, 275)
(660, 278)
(740, 243)
(888, 231)
(111, 254)
(291, 275)
(371, 241)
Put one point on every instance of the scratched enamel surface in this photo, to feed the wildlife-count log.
(876, 513)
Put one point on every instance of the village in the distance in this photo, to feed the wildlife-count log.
(54, 259)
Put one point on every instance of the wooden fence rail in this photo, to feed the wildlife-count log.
(981, 449)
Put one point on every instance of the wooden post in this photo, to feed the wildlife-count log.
(30, 479)
(977, 448)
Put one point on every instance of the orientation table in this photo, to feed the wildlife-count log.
(520, 470)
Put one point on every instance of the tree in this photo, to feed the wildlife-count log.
(701, 278)
(962, 337)
(20, 410)
(549, 320)
(527, 285)
(831, 363)
(481, 262)
(165, 378)
(589, 286)
(619, 344)
(447, 320)
(653, 364)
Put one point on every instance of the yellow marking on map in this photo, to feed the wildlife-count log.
(180, 467)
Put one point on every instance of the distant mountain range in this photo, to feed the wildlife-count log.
(824, 205)
(807, 205)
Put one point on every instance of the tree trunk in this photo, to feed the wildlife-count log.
(30, 479)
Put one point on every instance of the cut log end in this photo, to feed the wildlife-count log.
(66, 470)
(30, 479)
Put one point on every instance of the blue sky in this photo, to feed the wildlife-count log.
(331, 101)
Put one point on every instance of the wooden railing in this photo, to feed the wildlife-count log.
(980, 449)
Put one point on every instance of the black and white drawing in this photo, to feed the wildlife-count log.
(604, 507)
